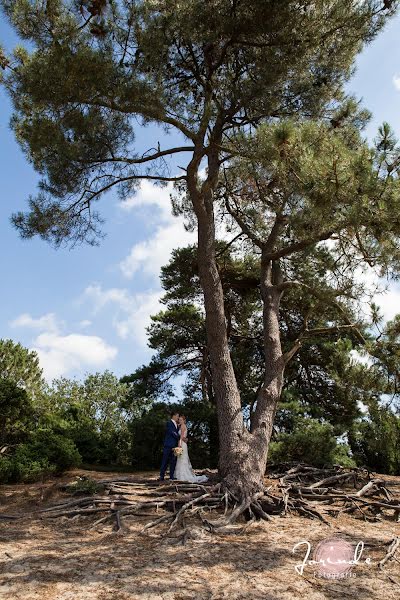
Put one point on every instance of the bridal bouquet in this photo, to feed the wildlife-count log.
(178, 451)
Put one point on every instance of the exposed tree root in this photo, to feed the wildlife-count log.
(300, 489)
(394, 545)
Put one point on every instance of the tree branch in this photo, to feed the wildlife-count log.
(225, 248)
(149, 114)
(297, 246)
(94, 195)
(142, 159)
(245, 229)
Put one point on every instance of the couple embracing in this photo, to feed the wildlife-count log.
(179, 466)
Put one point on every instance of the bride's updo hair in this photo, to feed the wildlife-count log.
(183, 417)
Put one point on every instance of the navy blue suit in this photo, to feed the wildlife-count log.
(171, 440)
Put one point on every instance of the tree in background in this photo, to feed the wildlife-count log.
(70, 422)
(30, 448)
(20, 365)
(15, 411)
(292, 187)
(95, 415)
(208, 70)
(375, 437)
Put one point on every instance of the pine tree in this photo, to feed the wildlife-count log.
(208, 70)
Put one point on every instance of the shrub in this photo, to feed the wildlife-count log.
(60, 451)
(375, 442)
(25, 469)
(311, 442)
(6, 469)
(85, 485)
(44, 453)
(15, 412)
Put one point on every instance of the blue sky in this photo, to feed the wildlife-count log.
(86, 309)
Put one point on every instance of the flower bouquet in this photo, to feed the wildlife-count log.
(178, 451)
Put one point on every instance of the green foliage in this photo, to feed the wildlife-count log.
(342, 455)
(6, 469)
(21, 366)
(322, 183)
(15, 411)
(44, 453)
(85, 486)
(69, 421)
(311, 442)
(26, 467)
(58, 450)
(189, 65)
(325, 381)
(375, 441)
(95, 415)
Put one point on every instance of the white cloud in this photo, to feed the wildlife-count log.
(151, 254)
(85, 323)
(133, 310)
(60, 354)
(385, 294)
(363, 359)
(138, 318)
(396, 81)
(389, 303)
(99, 298)
(363, 407)
(47, 322)
(150, 196)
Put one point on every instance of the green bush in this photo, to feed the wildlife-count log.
(16, 412)
(6, 469)
(85, 486)
(44, 453)
(311, 442)
(58, 450)
(375, 441)
(342, 456)
(25, 469)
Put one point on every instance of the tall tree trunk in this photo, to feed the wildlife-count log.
(213, 441)
(243, 454)
(230, 418)
(246, 476)
(271, 389)
(233, 435)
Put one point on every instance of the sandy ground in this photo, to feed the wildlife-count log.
(63, 560)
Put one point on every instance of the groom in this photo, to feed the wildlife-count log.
(171, 440)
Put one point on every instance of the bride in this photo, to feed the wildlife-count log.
(183, 469)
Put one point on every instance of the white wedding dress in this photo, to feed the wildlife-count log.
(183, 469)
